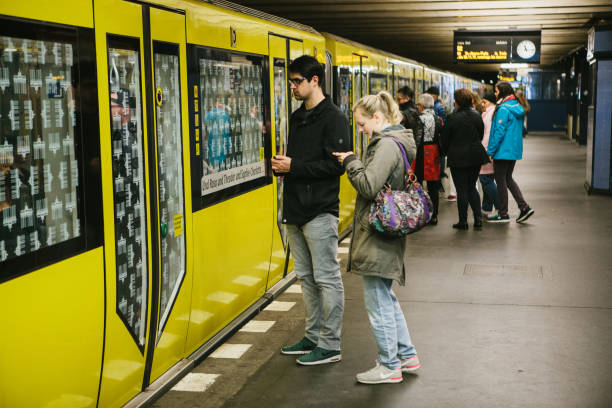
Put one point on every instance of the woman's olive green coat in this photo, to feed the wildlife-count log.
(372, 253)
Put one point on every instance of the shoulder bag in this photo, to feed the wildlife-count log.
(401, 212)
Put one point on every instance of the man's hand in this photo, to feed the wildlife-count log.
(281, 164)
(342, 156)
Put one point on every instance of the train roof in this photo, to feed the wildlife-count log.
(261, 15)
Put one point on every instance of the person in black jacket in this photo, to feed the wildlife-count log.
(311, 208)
(405, 101)
(462, 143)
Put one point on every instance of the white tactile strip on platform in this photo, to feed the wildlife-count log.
(257, 326)
(195, 382)
(278, 306)
(231, 351)
(294, 289)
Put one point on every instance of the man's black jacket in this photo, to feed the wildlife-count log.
(313, 183)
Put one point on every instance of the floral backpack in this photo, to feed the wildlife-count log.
(401, 212)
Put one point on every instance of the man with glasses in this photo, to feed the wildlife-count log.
(311, 208)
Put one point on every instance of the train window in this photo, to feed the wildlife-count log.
(42, 214)
(280, 122)
(345, 93)
(402, 82)
(170, 173)
(446, 91)
(378, 82)
(329, 83)
(361, 139)
(231, 115)
(128, 184)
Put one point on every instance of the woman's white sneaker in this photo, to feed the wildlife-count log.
(411, 364)
(380, 375)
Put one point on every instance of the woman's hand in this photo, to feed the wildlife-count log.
(342, 156)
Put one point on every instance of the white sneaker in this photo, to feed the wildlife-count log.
(380, 375)
(411, 364)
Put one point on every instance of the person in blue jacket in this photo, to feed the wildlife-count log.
(505, 148)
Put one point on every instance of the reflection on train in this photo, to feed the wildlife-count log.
(139, 217)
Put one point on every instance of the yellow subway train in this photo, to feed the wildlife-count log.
(139, 216)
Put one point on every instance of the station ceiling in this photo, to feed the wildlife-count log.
(423, 30)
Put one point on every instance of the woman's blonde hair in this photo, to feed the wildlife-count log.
(381, 102)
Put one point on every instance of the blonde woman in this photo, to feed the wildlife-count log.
(380, 260)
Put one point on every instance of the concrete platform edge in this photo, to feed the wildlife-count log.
(163, 384)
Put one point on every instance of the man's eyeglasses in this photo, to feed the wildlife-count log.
(297, 81)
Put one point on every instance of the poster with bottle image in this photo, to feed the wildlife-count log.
(232, 125)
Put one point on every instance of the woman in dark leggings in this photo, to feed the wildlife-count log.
(461, 142)
(505, 148)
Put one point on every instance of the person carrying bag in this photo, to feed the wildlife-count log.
(377, 257)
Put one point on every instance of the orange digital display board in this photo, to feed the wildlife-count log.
(487, 47)
(482, 50)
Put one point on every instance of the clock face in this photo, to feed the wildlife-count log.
(526, 49)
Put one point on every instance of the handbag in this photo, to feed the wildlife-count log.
(431, 162)
(401, 212)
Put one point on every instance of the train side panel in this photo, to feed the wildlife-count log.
(51, 258)
(53, 325)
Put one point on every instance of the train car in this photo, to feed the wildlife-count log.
(140, 222)
(136, 140)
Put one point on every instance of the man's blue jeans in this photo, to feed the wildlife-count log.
(387, 321)
(314, 247)
(490, 197)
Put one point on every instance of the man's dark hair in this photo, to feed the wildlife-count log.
(505, 89)
(406, 92)
(463, 97)
(433, 90)
(308, 67)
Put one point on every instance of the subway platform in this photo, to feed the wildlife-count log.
(515, 315)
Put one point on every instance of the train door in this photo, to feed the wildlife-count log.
(278, 49)
(343, 90)
(141, 67)
(295, 49)
(361, 84)
(169, 70)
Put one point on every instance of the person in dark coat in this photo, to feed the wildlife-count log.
(438, 108)
(311, 208)
(462, 143)
(410, 113)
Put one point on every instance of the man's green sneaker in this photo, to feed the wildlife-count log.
(320, 356)
(303, 346)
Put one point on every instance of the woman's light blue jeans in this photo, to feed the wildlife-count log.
(387, 321)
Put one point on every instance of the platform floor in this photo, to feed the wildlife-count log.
(511, 316)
